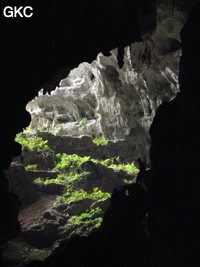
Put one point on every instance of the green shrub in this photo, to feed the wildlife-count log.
(32, 143)
(110, 161)
(128, 167)
(101, 141)
(69, 162)
(86, 218)
(37, 254)
(128, 181)
(49, 181)
(31, 167)
(114, 163)
(72, 196)
(96, 115)
(82, 122)
(85, 223)
(28, 130)
(69, 165)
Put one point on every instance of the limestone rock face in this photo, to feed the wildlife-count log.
(103, 100)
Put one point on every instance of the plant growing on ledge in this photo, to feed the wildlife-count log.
(72, 196)
(69, 165)
(128, 167)
(115, 164)
(86, 218)
(28, 130)
(101, 141)
(32, 143)
(69, 162)
(96, 115)
(37, 254)
(31, 167)
(82, 122)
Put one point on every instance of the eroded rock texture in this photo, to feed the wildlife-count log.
(101, 99)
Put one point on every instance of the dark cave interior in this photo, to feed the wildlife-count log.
(56, 37)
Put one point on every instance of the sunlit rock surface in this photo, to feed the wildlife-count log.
(103, 100)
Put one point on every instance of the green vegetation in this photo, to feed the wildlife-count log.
(63, 179)
(101, 141)
(85, 223)
(82, 122)
(96, 115)
(27, 130)
(114, 163)
(128, 181)
(31, 167)
(72, 196)
(110, 161)
(69, 162)
(69, 169)
(32, 143)
(86, 218)
(130, 168)
(37, 254)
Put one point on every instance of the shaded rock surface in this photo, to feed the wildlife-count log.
(33, 230)
(34, 174)
(82, 146)
(44, 160)
(20, 184)
(51, 220)
(104, 178)
(127, 238)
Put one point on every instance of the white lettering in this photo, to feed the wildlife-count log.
(31, 13)
(9, 13)
(18, 11)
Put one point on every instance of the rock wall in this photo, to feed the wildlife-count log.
(101, 99)
(20, 184)
(82, 146)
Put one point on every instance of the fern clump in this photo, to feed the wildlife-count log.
(32, 143)
(73, 196)
(101, 141)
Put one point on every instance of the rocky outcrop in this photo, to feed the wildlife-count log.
(44, 232)
(102, 99)
(56, 218)
(127, 150)
(121, 240)
(20, 184)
